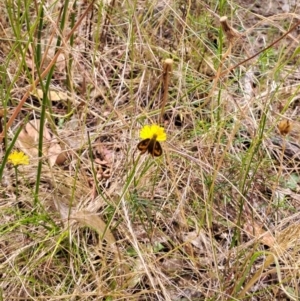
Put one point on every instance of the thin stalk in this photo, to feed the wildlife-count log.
(46, 104)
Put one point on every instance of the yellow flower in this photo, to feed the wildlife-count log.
(18, 158)
(153, 131)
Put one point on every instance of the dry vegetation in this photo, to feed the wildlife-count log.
(216, 216)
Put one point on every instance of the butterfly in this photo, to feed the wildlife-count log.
(151, 145)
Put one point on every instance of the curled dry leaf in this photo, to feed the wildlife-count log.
(61, 158)
(230, 32)
(284, 127)
(29, 138)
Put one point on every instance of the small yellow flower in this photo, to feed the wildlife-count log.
(18, 158)
(153, 131)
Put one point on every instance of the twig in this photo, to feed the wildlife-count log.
(167, 69)
(259, 52)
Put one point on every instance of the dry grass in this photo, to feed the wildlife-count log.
(215, 217)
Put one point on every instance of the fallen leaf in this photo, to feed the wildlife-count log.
(54, 152)
(29, 138)
(264, 236)
(52, 95)
(284, 127)
(93, 221)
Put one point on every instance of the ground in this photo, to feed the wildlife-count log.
(215, 216)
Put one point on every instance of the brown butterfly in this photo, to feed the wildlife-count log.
(152, 146)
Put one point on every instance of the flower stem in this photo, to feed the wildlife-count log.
(17, 190)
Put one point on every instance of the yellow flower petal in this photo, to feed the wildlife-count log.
(149, 131)
(145, 132)
(18, 158)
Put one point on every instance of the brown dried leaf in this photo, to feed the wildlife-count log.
(264, 236)
(284, 127)
(54, 151)
(52, 95)
(95, 222)
(61, 158)
(28, 139)
(28, 142)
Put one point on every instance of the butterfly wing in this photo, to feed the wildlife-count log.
(157, 151)
(143, 145)
(151, 145)
(154, 148)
